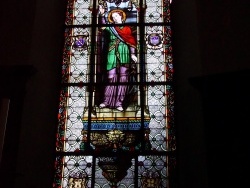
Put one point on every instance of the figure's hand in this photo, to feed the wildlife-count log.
(134, 58)
(101, 9)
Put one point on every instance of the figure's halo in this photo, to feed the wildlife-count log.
(110, 19)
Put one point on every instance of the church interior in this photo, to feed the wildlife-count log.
(211, 46)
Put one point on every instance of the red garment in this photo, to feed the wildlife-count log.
(126, 34)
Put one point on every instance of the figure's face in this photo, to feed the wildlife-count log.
(117, 17)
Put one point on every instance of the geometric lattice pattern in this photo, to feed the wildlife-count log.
(116, 111)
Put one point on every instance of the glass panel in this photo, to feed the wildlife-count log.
(76, 56)
(157, 109)
(72, 104)
(154, 11)
(171, 134)
(74, 117)
(158, 53)
(113, 129)
(157, 11)
(76, 61)
(168, 53)
(79, 12)
(112, 171)
(152, 171)
(73, 171)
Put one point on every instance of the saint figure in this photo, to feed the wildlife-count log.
(120, 54)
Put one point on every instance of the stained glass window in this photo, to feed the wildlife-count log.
(116, 111)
